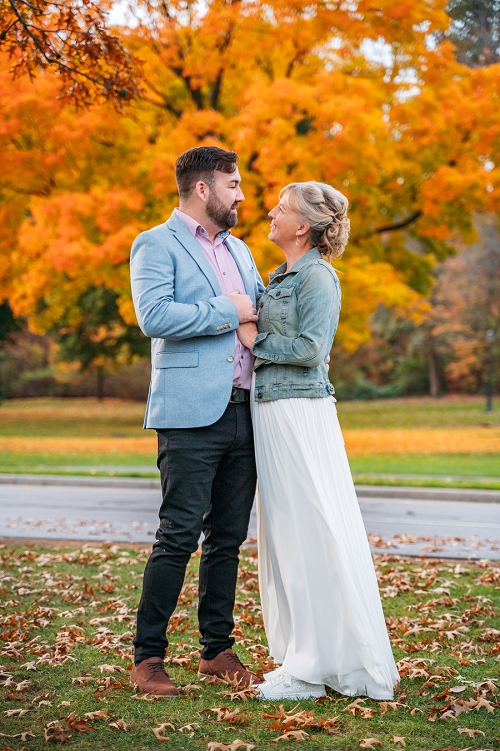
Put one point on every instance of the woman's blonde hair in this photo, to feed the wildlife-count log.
(325, 209)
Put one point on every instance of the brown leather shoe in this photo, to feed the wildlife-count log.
(227, 668)
(150, 676)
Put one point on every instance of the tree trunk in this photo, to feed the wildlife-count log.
(434, 380)
(100, 383)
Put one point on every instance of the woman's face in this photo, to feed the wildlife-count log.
(284, 225)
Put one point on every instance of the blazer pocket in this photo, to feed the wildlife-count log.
(176, 360)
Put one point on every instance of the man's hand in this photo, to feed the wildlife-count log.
(244, 307)
(247, 334)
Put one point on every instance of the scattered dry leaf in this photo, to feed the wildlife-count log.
(161, 729)
(293, 735)
(370, 743)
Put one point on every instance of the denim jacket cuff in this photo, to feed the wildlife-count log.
(258, 339)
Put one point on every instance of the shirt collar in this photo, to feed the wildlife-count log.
(194, 227)
(281, 270)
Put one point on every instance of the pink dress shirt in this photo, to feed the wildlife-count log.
(230, 280)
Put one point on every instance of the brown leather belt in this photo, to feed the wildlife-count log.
(238, 396)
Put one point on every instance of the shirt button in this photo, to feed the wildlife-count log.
(230, 358)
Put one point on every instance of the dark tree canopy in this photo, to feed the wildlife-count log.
(475, 31)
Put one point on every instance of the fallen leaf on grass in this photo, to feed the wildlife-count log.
(235, 745)
(355, 709)
(223, 714)
(293, 735)
(13, 712)
(300, 720)
(457, 689)
(119, 725)
(370, 743)
(82, 680)
(398, 739)
(471, 732)
(8, 748)
(190, 689)
(111, 668)
(146, 697)
(243, 695)
(63, 704)
(481, 701)
(58, 731)
(100, 714)
(161, 729)
(189, 728)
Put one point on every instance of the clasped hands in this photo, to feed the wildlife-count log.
(247, 317)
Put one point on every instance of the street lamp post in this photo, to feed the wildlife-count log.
(490, 338)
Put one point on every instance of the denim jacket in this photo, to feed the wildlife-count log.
(298, 317)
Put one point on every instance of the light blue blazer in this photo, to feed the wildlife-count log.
(180, 305)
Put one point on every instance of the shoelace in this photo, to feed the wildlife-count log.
(236, 660)
(156, 667)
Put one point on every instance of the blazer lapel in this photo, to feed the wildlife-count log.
(194, 249)
(248, 278)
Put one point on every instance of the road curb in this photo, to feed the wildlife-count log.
(81, 481)
(362, 491)
(422, 494)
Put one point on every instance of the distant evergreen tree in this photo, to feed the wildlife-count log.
(475, 31)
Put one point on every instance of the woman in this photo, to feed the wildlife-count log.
(320, 599)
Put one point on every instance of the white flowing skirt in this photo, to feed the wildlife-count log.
(320, 599)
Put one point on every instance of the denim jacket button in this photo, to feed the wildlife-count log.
(259, 395)
(278, 294)
(230, 358)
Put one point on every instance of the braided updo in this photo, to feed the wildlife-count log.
(325, 209)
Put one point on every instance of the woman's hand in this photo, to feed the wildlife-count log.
(247, 333)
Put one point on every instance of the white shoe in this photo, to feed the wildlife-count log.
(281, 685)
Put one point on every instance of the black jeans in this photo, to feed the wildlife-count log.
(208, 480)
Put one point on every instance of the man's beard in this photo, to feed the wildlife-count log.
(218, 212)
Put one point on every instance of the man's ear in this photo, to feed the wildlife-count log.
(201, 189)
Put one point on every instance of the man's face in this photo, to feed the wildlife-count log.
(223, 199)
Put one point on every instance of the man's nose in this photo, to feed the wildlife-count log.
(239, 195)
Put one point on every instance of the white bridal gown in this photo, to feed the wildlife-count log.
(320, 600)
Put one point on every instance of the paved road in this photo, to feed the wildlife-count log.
(412, 521)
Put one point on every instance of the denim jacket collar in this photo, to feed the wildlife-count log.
(311, 255)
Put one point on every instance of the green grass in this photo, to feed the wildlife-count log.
(59, 418)
(66, 611)
(88, 418)
(112, 418)
(419, 412)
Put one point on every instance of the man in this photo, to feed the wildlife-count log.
(193, 284)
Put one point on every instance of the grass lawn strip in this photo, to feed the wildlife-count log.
(66, 625)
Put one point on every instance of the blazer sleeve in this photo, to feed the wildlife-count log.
(152, 275)
(318, 307)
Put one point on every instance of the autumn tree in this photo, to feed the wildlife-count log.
(467, 306)
(72, 39)
(356, 95)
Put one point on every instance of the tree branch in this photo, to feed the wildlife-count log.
(391, 227)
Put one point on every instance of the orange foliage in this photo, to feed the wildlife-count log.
(296, 89)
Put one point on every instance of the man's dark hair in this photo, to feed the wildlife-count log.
(200, 163)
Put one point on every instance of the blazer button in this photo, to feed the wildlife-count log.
(230, 358)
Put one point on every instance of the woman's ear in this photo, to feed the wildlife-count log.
(303, 229)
